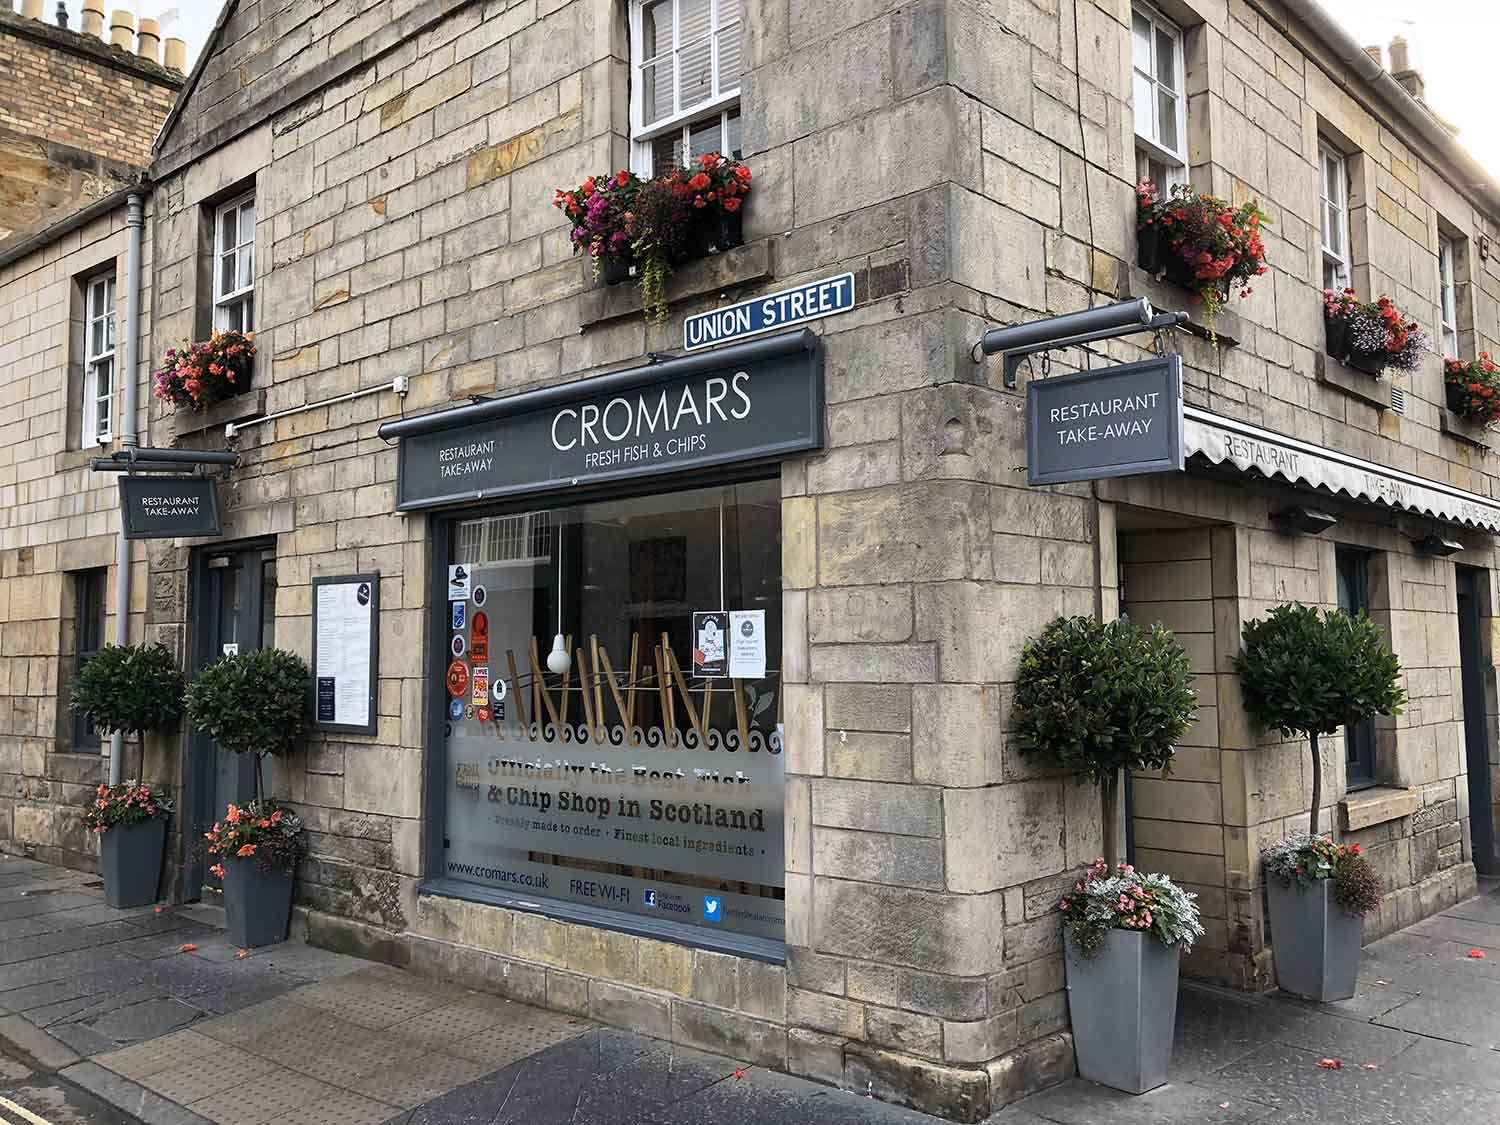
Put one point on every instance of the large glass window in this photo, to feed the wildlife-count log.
(234, 266)
(1159, 98)
(614, 706)
(99, 362)
(1334, 178)
(1354, 598)
(685, 64)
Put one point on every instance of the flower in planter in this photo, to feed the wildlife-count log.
(721, 183)
(1202, 243)
(1304, 858)
(1473, 389)
(603, 216)
(209, 371)
(263, 830)
(1124, 899)
(664, 213)
(125, 804)
(1372, 335)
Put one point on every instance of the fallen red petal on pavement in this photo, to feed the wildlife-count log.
(1477, 954)
(157, 909)
(242, 954)
(1330, 1064)
(1369, 1066)
(1223, 1105)
(187, 947)
(739, 1074)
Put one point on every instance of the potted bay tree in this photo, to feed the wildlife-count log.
(131, 689)
(1099, 698)
(254, 703)
(1307, 674)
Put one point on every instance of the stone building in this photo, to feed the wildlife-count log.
(435, 427)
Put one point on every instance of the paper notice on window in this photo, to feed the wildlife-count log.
(345, 626)
(747, 644)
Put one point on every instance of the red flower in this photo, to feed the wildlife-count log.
(732, 204)
(699, 182)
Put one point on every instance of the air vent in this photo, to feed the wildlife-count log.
(1398, 400)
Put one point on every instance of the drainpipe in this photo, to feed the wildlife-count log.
(135, 221)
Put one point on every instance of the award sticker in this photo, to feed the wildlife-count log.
(481, 681)
(458, 583)
(484, 714)
(459, 645)
(458, 679)
(481, 595)
(459, 610)
(455, 709)
(469, 712)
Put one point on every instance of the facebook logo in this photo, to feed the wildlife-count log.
(650, 898)
(713, 910)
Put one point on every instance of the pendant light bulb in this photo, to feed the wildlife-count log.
(558, 660)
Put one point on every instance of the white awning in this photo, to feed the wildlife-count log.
(1226, 441)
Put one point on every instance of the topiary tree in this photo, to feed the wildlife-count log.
(129, 688)
(1308, 674)
(1099, 697)
(254, 703)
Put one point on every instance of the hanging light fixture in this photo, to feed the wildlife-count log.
(558, 660)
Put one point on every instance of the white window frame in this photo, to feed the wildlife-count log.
(719, 103)
(1337, 257)
(1149, 147)
(234, 308)
(97, 418)
(1448, 294)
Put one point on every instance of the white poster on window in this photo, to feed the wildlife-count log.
(747, 644)
(344, 633)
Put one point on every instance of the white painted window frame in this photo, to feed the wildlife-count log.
(1448, 294)
(228, 303)
(1174, 160)
(98, 364)
(1337, 257)
(719, 103)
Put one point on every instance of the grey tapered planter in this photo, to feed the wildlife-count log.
(130, 855)
(257, 904)
(1315, 943)
(1123, 1005)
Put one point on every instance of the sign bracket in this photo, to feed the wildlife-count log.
(1126, 318)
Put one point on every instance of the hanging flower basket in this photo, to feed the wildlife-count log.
(1473, 389)
(1370, 337)
(210, 371)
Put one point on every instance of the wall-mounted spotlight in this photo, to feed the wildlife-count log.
(1436, 546)
(1298, 520)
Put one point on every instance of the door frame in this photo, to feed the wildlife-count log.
(200, 772)
(1472, 583)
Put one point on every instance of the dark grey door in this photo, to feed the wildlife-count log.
(234, 611)
(1476, 719)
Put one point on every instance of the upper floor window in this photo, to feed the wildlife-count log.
(1448, 295)
(1159, 95)
(234, 266)
(685, 89)
(1334, 179)
(98, 412)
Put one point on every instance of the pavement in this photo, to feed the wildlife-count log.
(150, 1016)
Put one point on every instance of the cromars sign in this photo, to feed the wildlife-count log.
(1116, 422)
(756, 400)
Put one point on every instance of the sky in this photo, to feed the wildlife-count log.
(1451, 44)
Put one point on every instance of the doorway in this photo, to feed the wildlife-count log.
(1472, 585)
(234, 611)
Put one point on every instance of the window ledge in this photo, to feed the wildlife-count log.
(1470, 433)
(1377, 805)
(1373, 389)
(1229, 329)
(250, 404)
(79, 458)
(743, 265)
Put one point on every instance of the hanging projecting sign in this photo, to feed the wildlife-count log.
(346, 637)
(1116, 422)
(812, 301)
(156, 507)
(759, 400)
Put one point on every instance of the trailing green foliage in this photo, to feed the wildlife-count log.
(1305, 673)
(1100, 697)
(129, 688)
(254, 703)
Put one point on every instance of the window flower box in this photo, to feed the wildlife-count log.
(639, 229)
(1200, 243)
(1370, 337)
(1473, 390)
(208, 372)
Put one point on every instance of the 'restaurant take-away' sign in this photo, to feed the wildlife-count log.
(155, 507)
(1116, 422)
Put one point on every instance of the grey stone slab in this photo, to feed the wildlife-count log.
(1475, 1022)
(1483, 908)
(1353, 1041)
(100, 983)
(243, 995)
(140, 1103)
(61, 967)
(42, 903)
(1462, 930)
(34, 1043)
(1450, 1062)
(1215, 1027)
(146, 1020)
(82, 1039)
(84, 1008)
(1082, 1103)
(1371, 999)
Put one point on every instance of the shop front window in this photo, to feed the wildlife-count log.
(613, 707)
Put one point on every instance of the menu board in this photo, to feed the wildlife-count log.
(346, 633)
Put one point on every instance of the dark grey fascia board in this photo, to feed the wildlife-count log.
(751, 351)
(101, 206)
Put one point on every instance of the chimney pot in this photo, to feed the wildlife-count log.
(93, 18)
(176, 55)
(62, 13)
(1374, 51)
(148, 40)
(1400, 55)
(31, 9)
(121, 29)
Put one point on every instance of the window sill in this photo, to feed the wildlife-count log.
(1470, 433)
(1163, 295)
(250, 404)
(1373, 389)
(1376, 805)
(80, 458)
(744, 265)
